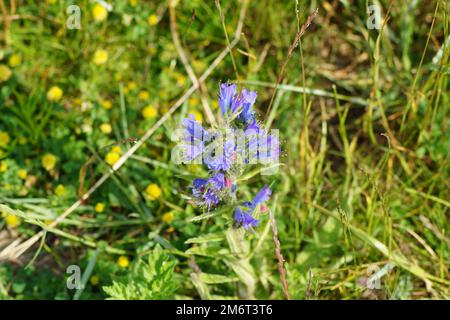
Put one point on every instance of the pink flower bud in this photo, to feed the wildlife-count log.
(263, 208)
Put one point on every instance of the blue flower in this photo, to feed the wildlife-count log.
(220, 157)
(248, 98)
(194, 136)
(226, 97)
(261, 146)
(262, 196)
(207, 191)
(229, 100)
(245, 220)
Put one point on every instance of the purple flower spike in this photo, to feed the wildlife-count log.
(194, 130)
(245, 220)
(262, 196)
(207, 192)
(226, 96)
(248, 99)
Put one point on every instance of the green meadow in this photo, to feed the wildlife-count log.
(93, 205)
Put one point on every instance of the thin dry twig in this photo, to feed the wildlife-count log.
(280, 258)
(15, 249)
(187, 66)
(290, 52)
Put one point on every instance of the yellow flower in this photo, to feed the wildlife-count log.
(99, 12)
(3, 166)
(99, 207)
(181, 79)
(4, 139)
(48, 161)
(94, 280)
(192, 102)
(100, 57)
(167, 217)
(51, 1)
(215, 104)
(23, 140)
(106, 104)
(77, 101)
(197, 115)
(112, 157)
(116, 149)
(5, 73)
(133, 3)
(60, 190)
(153, 191)
(123, 262)
(106, 128)
(152, 20)
(12, 221)
(149, 112)
(14, 60)
(131, 85)
(54, 94)
(22, 173)
(143, 95)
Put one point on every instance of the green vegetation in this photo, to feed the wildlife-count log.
(363, 117)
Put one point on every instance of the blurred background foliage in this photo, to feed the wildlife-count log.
(365, 166)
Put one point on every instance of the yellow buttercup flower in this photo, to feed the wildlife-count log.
(54, 94)
(116, 149)
(23, 140)
(49, 161)
(99, 12)
(3, 166)
(123, 262)
(5, 73)
(106, 104)
(106, 128)
(192, 102)
(143, 95)
(4, 139)
(153, 191)
(152, 20)
(12, 221)
(131, 85)
(181, 79)
(112, 157)
(15, 60)
(77, 101)
(197, 115)
(149, 112)
(60, 190)
(94, 280)
(99, 207)
(133, 3)
(167, 217)
(22, 174)
(100, 57)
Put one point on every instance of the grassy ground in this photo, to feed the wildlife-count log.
(363, 120)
